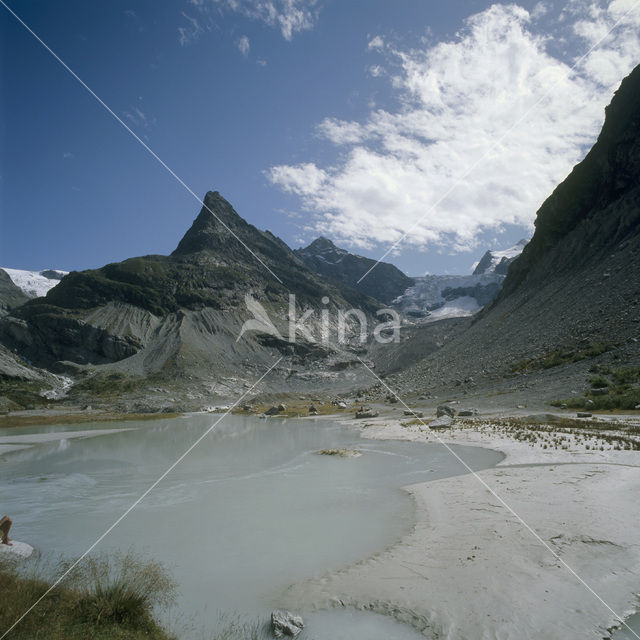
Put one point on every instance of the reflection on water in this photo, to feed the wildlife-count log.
(249, 511)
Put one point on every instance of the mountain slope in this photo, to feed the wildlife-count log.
(385, 282)
(10, 294)
(577, 283)
(178, 316)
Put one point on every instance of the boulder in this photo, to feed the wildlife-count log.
(467, 412)
(366, 413)
(442, 422)
(313, 411)
(584, 414)
(282, 407)
(285, 623)
(16, 549)
(272, 411)
(599, 392)
(415, 414)
(445, 410)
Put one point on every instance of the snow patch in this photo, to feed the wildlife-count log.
(35, 284)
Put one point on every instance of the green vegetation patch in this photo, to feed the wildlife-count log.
(561, 356)
(106, 385)
(622, 388)
(295, 410)
(23, 393)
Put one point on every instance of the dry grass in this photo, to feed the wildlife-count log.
(78, 418)
(295, 410)
(105, 598)
(563, 433)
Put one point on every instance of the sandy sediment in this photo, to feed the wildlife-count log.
(17, 442)
(471, 570)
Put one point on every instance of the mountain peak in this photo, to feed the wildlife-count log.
(385, 283)
(322, 243)
(498, 261)
(213, 227)
(324, 249)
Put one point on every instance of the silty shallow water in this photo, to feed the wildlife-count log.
(251, 510)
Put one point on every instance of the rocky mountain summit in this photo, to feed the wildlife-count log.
(385, 282)
(498, 261)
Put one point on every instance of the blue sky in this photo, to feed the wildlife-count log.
(346, 118)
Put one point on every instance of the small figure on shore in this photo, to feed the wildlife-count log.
(5, 525)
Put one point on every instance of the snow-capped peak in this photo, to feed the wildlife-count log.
(498, 261)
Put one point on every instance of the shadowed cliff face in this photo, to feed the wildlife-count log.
(596, 205)
(10, 295)
(385, 282)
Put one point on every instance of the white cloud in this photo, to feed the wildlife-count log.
(190, 33)
(541, 9)
(341, 132)
(458, 99)
(67, 155)
(376, 43)
(290, 16)
(244, 46)
(138, 118)
(303, 179)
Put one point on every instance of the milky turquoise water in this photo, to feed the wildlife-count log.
(250, 511)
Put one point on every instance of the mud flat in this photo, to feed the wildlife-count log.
(471, 569)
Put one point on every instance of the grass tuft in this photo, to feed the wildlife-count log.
(105, 598)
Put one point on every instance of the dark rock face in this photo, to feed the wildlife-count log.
(51, 336)
(596, 207)
(385, 283)
(10, 295)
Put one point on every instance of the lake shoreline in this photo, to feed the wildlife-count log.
(467, 548)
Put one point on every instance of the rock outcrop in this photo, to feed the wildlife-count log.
(10, 294)
(385, 282)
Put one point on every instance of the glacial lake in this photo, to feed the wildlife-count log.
(250, 511)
